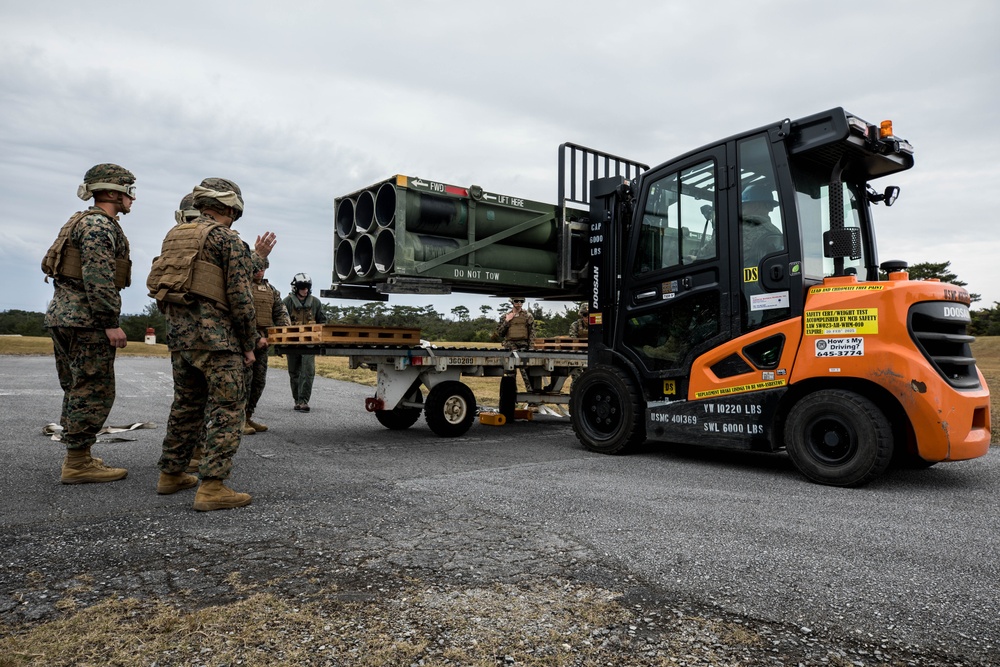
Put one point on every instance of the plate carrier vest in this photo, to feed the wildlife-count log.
(178, 275)
(63, 259)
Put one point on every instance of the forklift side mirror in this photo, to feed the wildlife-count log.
(890, 194)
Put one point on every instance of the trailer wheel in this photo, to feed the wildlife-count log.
(838, 438)
(607, 411)
(450, 409)
(401, 419)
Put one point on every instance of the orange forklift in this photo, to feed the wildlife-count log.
(737, 300)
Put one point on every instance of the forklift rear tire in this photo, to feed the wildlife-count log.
(450, 409)
(838, 438)
(400, 419)
(607, 411)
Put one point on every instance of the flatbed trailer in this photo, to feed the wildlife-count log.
(406, 369)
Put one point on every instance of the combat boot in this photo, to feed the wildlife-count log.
(248, 429)
(256, 426)
(214, 495)
(195, 460)
(80, 468)
(172, 482)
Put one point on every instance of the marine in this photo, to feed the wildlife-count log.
(202, 283)
(89, 265)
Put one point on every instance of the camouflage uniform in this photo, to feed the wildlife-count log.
(521, 338)
(278, 316)
(81, 311)
(207, 347)
(581, 325)
(302, 367)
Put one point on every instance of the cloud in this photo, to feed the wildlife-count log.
(302, 104)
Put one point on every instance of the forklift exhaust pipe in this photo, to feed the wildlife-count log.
(364, 249)
(343, 259)
(364, 213)
(385, 250)
(385, 205)
(344, 218)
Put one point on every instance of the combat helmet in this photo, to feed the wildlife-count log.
(219, 193)
(186, 210)
(106, 176)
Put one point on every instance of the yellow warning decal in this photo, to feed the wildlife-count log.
(847, 288)
(596, 318)
(743, 388)
(669, 387)
(750, 275)
(832, 322)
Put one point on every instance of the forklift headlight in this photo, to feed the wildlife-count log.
(859, 125)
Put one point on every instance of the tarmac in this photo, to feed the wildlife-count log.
(909, 562)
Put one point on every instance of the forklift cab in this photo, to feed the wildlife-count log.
(725, 240)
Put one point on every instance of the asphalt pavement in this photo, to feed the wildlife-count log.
(909, 560)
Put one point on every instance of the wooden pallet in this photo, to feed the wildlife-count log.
(561, 344)
(342, 334)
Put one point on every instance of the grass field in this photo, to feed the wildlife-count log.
(985, 349)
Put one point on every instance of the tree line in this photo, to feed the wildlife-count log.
(433, 325)
(462, 327)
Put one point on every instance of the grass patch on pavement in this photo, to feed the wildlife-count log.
(548, 623)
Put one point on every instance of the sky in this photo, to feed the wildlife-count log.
(301, 102)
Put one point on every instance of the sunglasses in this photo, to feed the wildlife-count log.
(517, 301)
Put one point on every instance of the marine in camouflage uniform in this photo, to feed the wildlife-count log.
(89, 263)
(270, 312)
(516, 330)
(211, 334)
(580, 326)
(303, 308)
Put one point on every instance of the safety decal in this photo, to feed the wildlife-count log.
(743, 388)
(770, 301)
(596, 318)
(846, 288)
(750, 274)
(669, 387)
(833, 322)
(840, 347)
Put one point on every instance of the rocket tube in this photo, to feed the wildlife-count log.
(364, 249)
(442, 216)
(385, 205)
(496, 256)
(344, 218)
(343, 259)
(385, 250)
(364, 213)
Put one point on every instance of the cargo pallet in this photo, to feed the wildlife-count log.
(561, 343)
(343, 334)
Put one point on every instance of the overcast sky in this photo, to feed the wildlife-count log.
(301, 102)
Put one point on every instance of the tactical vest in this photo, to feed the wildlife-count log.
(263, 303)
(518, 329)
(63, 259)
(301, 315)
(178, 274)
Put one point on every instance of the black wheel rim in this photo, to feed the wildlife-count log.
(602, 409)
(831, 441)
